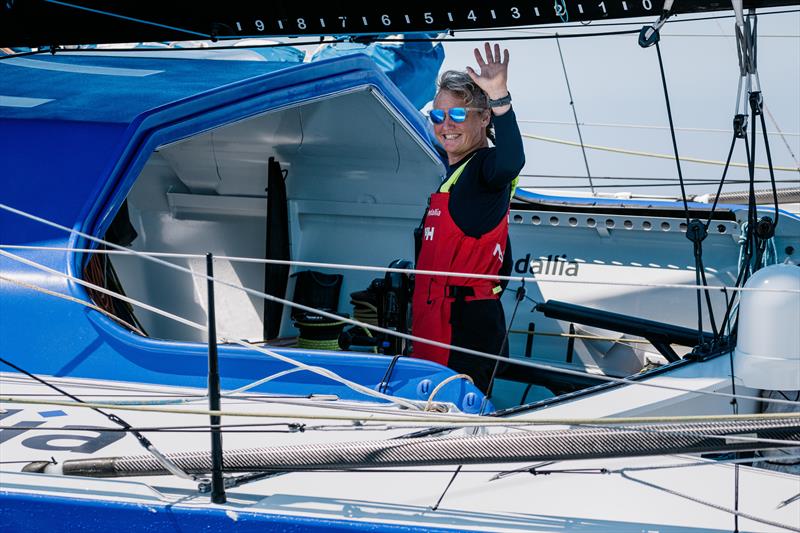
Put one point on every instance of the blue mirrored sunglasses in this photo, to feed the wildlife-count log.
(457, 114)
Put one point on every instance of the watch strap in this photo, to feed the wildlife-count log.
(506, 100)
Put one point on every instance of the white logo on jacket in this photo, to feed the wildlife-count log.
(498, 252)
(429, 233)
(435, 212)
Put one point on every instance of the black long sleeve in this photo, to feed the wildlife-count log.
(479, 200)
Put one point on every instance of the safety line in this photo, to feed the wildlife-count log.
(368, 268)
(644, 126)
(314, 369)
(368, 391)
(426, 417)
(344, 319)
(649, 154)
(74, 300)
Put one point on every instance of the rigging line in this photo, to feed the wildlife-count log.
(696, 237)
(649, 127)
(296, 427)
(649, 154)
(622, 186)
(168, 465)
(574, 113)
(752, 213)
(74, 300)
(323, 313)
(204, 430)
(380, 269)
(706, 503)
(519, 297)
(707, 462)
(421, 417)
(325, 372)
(660, 180)
(771, 173)
(782, 134)
(126, 18)
(314, 369)
(721, 182)
(261, 381)
(626, 469)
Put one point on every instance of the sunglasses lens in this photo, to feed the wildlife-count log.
(437, 116)
(458, 114)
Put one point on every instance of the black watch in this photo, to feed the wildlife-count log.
(500, 101)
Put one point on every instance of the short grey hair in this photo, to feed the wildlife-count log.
(460, 84)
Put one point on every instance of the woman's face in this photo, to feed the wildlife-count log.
(460, 138)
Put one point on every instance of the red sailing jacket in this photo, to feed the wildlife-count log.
(446, 248)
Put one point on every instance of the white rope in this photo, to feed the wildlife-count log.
(315, 369)
(367, 390)
(262, 381)
(368, 268)
(651, 154)
(413, 416)
(351, 321)
(441, 385)
(644, 127)
(73, 300)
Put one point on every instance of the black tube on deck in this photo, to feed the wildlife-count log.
(217, 481)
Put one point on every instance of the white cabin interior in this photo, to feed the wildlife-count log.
(356, 181)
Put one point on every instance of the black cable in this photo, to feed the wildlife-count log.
(699, 234)
(771, 170)
(672, 131)
(700, 267)
(525, 394)
(519, 296)
(722, 180)
(114, 418)
(144, 441)
(752, 213)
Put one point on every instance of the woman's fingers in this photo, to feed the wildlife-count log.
(479, 58)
